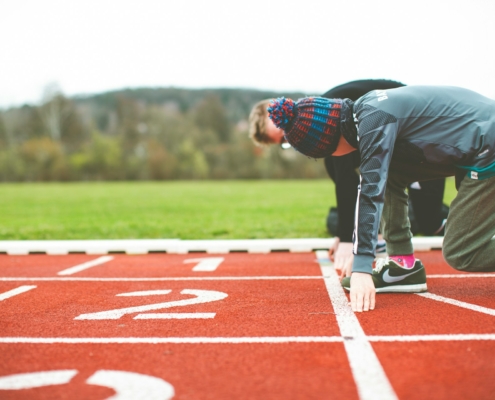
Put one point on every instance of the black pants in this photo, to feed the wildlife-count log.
(426, 209)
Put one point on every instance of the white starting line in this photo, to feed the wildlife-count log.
(161, 279)
(245, 340)
(202, 278)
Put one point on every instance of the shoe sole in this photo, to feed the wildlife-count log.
(418, 288)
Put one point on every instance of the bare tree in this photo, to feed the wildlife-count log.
(54, 110)
(4, 136)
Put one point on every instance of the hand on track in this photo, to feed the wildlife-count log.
(342, 257)
(362, 292)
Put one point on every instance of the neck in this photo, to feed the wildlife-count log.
(347, 127)
(343, 147)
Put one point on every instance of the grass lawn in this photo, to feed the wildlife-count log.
(178, 209)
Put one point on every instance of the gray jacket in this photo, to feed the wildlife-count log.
(420, 133)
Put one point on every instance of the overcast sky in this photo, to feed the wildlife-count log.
(305, 45)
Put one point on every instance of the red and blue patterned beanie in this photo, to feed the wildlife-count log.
(311, 125)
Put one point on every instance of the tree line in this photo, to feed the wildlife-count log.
(142, 134)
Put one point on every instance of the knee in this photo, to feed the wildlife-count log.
(458, 260)
(454, 260)
(453, 255)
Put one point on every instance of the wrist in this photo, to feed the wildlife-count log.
(363, 263)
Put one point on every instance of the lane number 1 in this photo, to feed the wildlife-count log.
(205, 264)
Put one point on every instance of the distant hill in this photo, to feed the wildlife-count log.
(143, 134)
(237, 102)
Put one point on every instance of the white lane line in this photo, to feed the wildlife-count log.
(458, 303)
(434, 338)
(176, 316)
(203, 278)
(186, 340)
(370, 378)
(15, 292)
(473, 275)
(186, 278)
(86, 265)
(241, 340)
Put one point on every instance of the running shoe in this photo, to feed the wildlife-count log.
(390, 277)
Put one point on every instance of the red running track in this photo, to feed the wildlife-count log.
(236, 326)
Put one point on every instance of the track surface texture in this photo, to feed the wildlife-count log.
(236, 326)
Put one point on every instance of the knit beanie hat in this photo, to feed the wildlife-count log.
(311, 125)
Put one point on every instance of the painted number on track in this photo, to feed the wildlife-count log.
(201, 296)
(127, 385)
(205, 264)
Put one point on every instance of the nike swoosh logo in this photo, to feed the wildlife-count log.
(391, 279)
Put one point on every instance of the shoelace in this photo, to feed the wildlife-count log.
(380, 263)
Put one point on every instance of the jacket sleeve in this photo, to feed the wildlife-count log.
(346, 188)
(377, 131)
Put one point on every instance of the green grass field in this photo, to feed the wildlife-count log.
(182, 210)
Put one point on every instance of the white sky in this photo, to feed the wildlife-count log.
(306, 45)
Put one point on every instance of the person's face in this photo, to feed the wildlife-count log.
(275, 134)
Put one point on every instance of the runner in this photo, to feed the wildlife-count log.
(427, 214)
(404, 135)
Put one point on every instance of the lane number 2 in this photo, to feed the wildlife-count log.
(201, 296)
